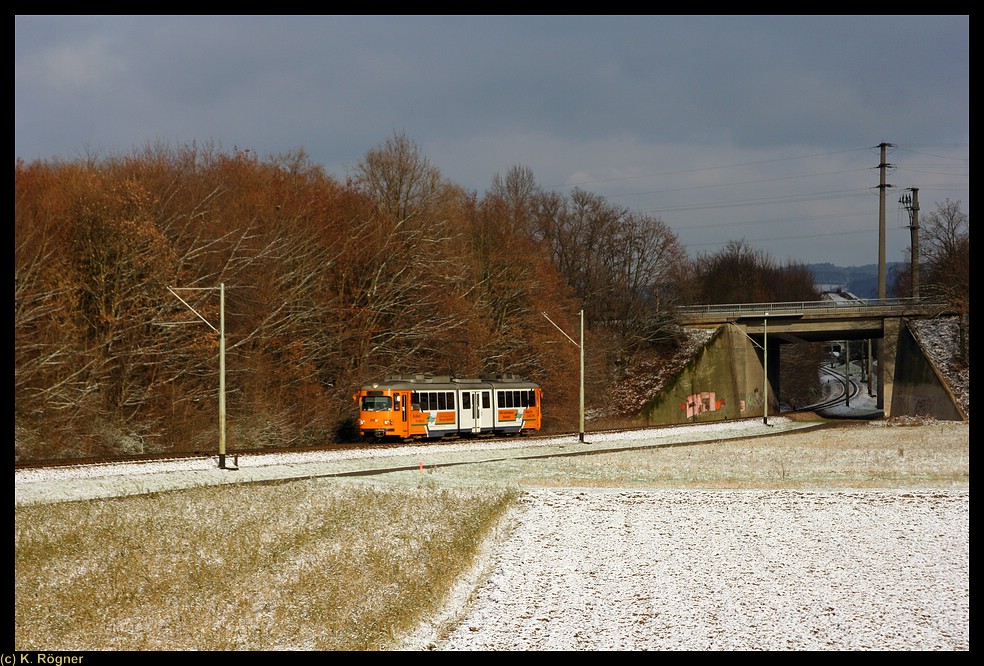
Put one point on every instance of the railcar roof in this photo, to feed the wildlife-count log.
(447, 383)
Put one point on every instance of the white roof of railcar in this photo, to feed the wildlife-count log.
(448, 383)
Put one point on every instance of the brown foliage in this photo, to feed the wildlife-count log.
(326, 286)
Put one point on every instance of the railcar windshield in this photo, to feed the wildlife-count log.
(376, 403)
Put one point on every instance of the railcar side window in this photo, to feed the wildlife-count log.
(466, 400)
(415, 401)
(450, 399)
(442, 400)
(486, 401)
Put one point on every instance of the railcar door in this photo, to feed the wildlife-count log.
(401, 403)
(476, 411)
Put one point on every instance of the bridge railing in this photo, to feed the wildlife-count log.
(860, 305)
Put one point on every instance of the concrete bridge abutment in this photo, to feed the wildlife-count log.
(736, 374)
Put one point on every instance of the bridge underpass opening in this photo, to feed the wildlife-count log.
(882, 322)
(795, 383)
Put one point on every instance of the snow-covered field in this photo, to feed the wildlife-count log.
(719, 570)
(662, 569)
(694, 569)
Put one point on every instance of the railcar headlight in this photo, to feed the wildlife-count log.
(362, 421)
(388, 422)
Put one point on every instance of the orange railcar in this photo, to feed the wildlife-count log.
(430, 407)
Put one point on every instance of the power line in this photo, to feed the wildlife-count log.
(785, 238)
(739, 182)
(781, 220)
(706, 169)
(782, 199)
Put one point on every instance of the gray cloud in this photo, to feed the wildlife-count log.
(752, 127)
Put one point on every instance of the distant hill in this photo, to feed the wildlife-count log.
(862, 281)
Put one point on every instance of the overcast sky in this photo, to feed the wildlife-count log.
(727, 128)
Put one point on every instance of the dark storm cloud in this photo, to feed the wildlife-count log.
(694, 119)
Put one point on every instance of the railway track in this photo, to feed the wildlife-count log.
(150, 458)
(232, 456)
(842, 394)
(78, 481)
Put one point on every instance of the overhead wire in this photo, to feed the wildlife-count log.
(840, 194)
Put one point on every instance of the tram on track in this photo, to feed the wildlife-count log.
(405, 407)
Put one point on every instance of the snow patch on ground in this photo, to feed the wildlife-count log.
(719, 570)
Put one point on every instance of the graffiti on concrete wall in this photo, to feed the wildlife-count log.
(698, 403)
(754, 399)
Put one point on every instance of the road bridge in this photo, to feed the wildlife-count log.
(810, 321)
(757, 332)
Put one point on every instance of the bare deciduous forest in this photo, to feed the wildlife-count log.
(328, 284)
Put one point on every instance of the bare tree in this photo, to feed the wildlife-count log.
(945, 247)
(739, 273)
(519, 193)
(645, 256)
(399, 178)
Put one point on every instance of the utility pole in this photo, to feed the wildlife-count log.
(765, 369)
(580, 346)
(868, 363)
(221, 331)
(847, 372)
(882, 186)
(911, 203)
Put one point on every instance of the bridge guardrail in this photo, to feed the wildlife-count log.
(872, 305)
